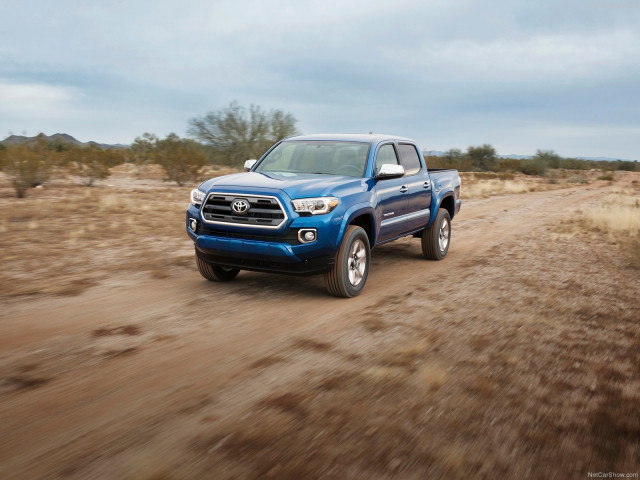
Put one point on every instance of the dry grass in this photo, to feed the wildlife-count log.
(618, 221)
(486, 188)
(131, 222)
(482, 185)
(488, 184)
(80, 235)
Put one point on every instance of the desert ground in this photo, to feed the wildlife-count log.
(517, 356)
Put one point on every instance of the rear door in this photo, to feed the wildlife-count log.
(391, 194)
(419, 187)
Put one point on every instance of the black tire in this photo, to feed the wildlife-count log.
(437, 238)
(350, 271)
(216, 273)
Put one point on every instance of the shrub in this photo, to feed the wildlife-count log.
(550, 158)
(453, 158)
(608, 177)
(627, 165)
(181, 158)
(92, 163)
(27, 166)
(578, 179)
(483, 157)
(3, 156)
(507, 165)
(534, 166)
(143, 149)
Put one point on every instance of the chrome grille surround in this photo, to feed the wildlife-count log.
(265, 211)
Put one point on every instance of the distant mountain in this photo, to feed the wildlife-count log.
(59, 137)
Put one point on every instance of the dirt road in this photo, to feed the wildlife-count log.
(515, 357)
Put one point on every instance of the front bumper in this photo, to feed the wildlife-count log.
(275, 252)
(283, 263)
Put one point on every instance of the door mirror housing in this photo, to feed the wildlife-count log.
(248, 165)
(389, 170)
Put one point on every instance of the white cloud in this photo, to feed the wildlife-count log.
(558, 56)
(29, 99)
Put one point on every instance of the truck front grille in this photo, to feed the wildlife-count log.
(263, 211)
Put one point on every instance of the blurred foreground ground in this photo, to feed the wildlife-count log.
(516, 357)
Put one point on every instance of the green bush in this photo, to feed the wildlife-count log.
(453, 158)
(534, 166)
(483, 158)
(606, 177)
(627, 165)
(507, 165)
(92, 163)
(27, 166)
(181, 158)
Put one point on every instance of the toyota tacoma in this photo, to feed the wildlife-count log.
(318, 204)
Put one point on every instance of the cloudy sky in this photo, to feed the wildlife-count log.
(519, 75)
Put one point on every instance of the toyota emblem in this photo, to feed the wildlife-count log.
(240, 206)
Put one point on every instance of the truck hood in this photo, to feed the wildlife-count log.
(296, 185)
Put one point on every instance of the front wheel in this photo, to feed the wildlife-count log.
(216, 273)
(436, 238)
(350, 271)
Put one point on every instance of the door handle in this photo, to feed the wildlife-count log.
(403, 188)
(426, 184)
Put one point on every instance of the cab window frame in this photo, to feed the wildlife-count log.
(420, 163)
(380, 147)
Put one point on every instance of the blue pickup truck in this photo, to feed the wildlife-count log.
(319, 204)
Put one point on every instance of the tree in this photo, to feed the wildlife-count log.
(236, 134)
(181, 158)
(482, 157)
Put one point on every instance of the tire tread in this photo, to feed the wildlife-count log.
(430, 247)
(334, 279)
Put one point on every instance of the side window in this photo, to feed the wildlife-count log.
(409, 158)
(386, 154)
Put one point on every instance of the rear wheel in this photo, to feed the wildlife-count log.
(216, 273)
(436, 239)
(350, 271)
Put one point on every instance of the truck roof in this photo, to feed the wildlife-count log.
(351, 137)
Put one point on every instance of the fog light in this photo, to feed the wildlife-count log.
(307, 235)
(193, 225)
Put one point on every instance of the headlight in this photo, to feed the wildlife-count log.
(315, 206)
(197, 197)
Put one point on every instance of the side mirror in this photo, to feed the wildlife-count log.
(248, 165)
(389, 170)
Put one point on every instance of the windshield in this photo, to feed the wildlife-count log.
(323, 157)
